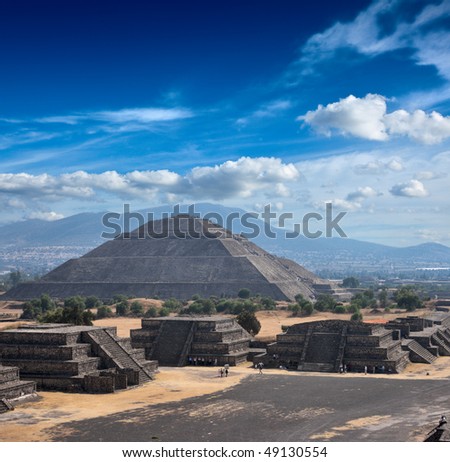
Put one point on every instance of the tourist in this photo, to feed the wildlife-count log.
(226, 372)
(221, 372)
(260, 367)
(365, 370)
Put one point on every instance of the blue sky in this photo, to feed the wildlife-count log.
(241, 103)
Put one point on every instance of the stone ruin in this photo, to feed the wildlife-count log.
(176, 257)
(326, 346)
(74, 358)
(13, 388)
(181, 341)
(426, 337)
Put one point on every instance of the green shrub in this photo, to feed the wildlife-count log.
(244, 293)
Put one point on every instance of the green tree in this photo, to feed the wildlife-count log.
(299, 298)
(46, 303)
(357, 316)
(92, 302)
(244, 293)
(136, 308)
(363, 299)
(353, 308)
(350, 282)
(339, 309)
(29, 311)
(172, 304)
(244, 305)
(225, 306)
(325, 302)
(294, 308)
(201, 306)
(75, 302)
(307, 308)
(249, 322)
(119, 298)
(104, 312)
(383, 298)
(152, 312)
(122, 308)
(407, 298)
(15, 278)
(163, 312)
(267, 303)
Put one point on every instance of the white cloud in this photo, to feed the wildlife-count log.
(141, 115)
(343, 204)
(362, 193)
(422, 127)
(24, 137)
(46, 216)
(428, 175)
(376, 167)
(268, 110)
(368, 35)
(361, 117)
(395, 165)
(128, 119)
(413, 188)
(241, 178)
(367, 118)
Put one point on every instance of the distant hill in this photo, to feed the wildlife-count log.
(83, 231)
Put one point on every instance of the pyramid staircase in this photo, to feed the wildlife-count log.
(444, 349)
(417, 352)
(173, 342)
(115, 355)
(5, 406)
(12, 387)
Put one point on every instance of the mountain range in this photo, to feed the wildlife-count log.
(327, 256)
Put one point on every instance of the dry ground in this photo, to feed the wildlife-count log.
(34, 421)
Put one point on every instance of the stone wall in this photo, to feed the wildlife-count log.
(214, 340)
(62, 357)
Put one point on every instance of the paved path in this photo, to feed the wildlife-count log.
(282, 408)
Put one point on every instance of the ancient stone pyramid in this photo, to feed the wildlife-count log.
(174, 257)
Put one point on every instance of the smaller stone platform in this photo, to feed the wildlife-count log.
(75, 358)
(12, 387)
(180, 341)
(328, 346)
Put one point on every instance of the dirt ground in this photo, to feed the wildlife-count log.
(34, 421)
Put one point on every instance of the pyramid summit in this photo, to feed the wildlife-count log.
(175, 257)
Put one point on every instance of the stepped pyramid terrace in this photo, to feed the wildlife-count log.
(71, 358)
(12, 387)
(327, 346)
(180, 341)
(426, 338)
(176, 257)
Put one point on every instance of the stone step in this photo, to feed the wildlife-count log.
(5, 406)
(316, 367)
(117, 353)
(420, 351)
(444, 350)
